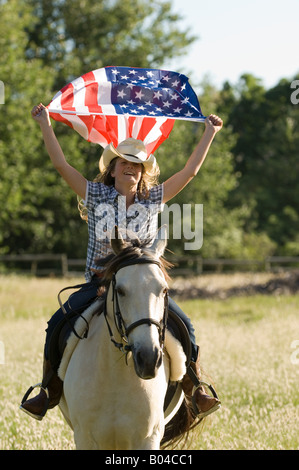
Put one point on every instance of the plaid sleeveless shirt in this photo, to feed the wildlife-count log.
(107, 208)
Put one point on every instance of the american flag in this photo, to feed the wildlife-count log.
(113, 103)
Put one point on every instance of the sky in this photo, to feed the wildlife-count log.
(236, 36)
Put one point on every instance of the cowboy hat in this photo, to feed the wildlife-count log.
(130, 149)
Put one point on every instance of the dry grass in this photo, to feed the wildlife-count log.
(246, 348)
(245, 345)
(225, 281)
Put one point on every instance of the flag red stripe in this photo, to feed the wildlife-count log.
(60, 118)
(91, 92)
(67, 98)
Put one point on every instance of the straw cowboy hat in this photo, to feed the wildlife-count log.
(130, 149)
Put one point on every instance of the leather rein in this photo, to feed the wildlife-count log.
(121, 327)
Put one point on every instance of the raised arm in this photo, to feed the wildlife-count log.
(73, 178)
(179, 180)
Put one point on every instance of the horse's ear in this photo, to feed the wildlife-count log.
(160, 241)
(117, 241)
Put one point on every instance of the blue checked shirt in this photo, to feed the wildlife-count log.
(107, 208)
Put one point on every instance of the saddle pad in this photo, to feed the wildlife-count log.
(178, 329)
(177, 357)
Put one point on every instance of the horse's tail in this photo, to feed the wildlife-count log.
(178, 428)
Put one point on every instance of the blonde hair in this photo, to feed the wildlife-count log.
(147, 181)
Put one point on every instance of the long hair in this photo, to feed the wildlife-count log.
(147, 181)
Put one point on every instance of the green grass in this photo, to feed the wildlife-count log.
(245, 349)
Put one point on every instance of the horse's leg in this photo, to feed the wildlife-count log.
(64, 410)
(151, 443)
(84, 441)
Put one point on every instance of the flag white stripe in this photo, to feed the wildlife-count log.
(79, 96)
(77, 124)
(137, 126)
(113, 113)
(122, 128)
(155, 133)
(95, 136)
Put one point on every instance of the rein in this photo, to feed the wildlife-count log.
(124, 330)
(67, 315)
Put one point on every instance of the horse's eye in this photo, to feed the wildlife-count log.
(120, 291)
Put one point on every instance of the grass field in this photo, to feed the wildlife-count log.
(247, 347)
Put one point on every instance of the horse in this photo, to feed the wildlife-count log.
(116, 380)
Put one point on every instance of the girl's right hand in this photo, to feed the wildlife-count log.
(40, 114)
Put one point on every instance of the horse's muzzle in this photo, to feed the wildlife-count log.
(147, 362)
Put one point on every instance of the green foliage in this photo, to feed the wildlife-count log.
(77, 36)
(266, 125)
(24, 182)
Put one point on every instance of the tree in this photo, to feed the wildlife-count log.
(23, 185)
(266, 126)
(77, 36)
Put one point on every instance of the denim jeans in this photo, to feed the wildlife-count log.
(78, 301)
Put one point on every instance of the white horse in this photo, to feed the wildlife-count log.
(114, 400)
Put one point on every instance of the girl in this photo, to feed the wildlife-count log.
(128, 181)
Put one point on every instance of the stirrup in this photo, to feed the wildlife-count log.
(25, 398)
(201, 414)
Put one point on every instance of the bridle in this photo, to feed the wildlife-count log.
(121, 327)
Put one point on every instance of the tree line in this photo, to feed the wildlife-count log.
(248, 185)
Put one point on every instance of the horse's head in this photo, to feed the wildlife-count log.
(138, 290)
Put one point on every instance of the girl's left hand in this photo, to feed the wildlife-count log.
(214, 122)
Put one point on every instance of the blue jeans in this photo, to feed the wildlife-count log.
(81, 299)
(78, 301)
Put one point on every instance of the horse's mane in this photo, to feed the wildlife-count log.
(132, 250)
